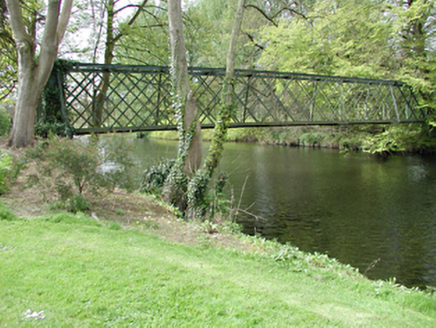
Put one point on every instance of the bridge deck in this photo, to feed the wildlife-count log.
(138, 98)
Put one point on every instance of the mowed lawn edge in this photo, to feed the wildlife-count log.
(70, 271)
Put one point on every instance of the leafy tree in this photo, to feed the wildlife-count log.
(152, 27)
(367, 38)
(416, 27)
(349, 37)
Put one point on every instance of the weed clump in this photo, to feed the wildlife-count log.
(154, 178)
(6, 161)
(5, 121)
(5, 213)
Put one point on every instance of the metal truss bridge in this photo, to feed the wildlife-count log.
(138, 98)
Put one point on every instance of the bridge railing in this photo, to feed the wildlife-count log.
(99, 98)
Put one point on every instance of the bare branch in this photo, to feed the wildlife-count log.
(125, 7)
(134, 17)
(153, 15)
(151, 26)
(137, 13)
(55, 25)
(141, 61)
(254, 41)
(264, 14)
(258, 218)
(142, 6)
(231, 54)
(10, 90)
(271, 18)
(290, 10)
(157, 7)
(49, 38)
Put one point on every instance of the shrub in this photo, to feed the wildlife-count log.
(68, 168)
(74, 204)
(398, 139)
(311, 139)
(44, 129)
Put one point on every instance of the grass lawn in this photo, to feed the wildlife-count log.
(71, 271)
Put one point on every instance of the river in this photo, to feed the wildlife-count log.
(376, 215)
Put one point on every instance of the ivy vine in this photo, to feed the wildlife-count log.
(53, 120)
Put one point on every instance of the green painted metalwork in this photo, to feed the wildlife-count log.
(139, 99)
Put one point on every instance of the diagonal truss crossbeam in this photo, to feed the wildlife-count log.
(139, 99)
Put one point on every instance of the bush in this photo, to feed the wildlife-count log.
(311, 139)
(45, 129)
(399, 139)
(68, 168)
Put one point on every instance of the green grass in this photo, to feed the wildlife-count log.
(83, 274)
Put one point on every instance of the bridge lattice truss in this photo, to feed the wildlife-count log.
(139, 99)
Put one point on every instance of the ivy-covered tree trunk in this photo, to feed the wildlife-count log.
(184, 103)
(54, 119)
(199, 184)
(228, 100)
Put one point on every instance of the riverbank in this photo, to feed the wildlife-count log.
(319, 137)
(72, 270)
(380, 139)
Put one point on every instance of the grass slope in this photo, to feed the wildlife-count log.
(83, 274)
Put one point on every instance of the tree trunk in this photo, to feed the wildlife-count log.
(228, 102)
(189, 156)
(198, 185)
(33, 73)
(29, 93)
(103, 86)
(184, 101)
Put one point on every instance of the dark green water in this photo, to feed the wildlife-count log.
(357, 209)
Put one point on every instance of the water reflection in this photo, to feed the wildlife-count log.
(357, 209)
